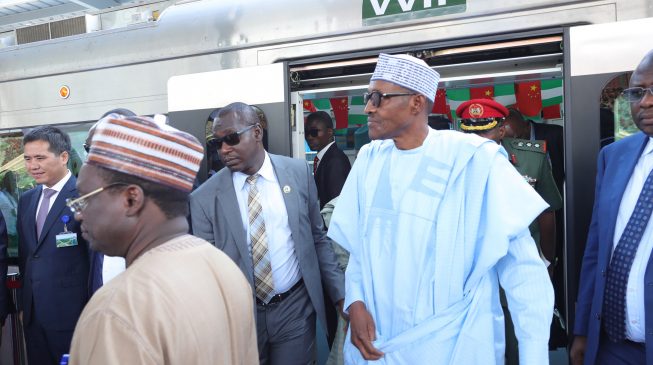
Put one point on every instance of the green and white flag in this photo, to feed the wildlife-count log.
(551, 92)
(457, 97)
(504, 94)
(357, 111)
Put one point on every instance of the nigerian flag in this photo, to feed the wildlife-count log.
(504, 94)
(357, 111)
(455, 98)
(551, 92)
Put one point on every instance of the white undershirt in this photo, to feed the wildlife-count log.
(635, 310)
(281, 247)
(322, 153)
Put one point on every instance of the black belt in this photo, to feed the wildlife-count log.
(277, 298)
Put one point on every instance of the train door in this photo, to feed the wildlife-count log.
(524, 71)
(599, 61)
(193, 97)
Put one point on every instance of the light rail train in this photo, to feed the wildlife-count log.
(277, 55)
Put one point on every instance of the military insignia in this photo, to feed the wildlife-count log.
(537, 145)
(530, 180)
(529, 144)
(520, 144)
(286, 189)
(476, 110)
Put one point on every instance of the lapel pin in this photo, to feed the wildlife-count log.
(286, 189)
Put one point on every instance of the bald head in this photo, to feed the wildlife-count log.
(516, 126)
(642, 109)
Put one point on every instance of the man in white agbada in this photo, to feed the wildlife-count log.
(434, 221)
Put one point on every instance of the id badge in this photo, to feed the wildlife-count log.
(66, 238)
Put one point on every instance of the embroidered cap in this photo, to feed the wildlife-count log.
(480, 114)
(409, 72)
(151, 150)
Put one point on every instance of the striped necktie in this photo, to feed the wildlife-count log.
(316, 161)
(259, 239)
(614, 299)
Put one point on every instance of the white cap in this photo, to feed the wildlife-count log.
(409, 72)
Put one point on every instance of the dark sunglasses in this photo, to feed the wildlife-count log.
(231, 139)
(376, 96)
(313, 132)
(87, 147)
(635, 94)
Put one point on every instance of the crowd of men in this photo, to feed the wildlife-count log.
(450, 239)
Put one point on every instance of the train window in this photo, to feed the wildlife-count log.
(615, 118)
(14, 179)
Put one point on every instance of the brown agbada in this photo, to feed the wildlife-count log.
(184, 302)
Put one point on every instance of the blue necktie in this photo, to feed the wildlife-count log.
(614, 300)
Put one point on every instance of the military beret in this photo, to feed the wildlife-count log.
(480, 114)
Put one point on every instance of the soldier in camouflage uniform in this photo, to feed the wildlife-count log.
(485, 118)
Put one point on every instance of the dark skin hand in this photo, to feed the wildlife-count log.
(577, 352)
(363, 331)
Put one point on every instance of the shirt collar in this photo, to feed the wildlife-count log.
(59, 185)
(266, 171)
(323, 151)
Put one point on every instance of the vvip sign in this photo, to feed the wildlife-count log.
(386, 11)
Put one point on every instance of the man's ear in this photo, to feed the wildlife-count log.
(134, 199)
(418, 104)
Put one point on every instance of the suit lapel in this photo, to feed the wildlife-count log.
(30, 218)
(68, 190)
(626, 163)
(226, 199)
(289, 193)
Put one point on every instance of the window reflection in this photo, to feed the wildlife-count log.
(616, 120)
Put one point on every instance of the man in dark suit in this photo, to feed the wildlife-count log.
(53, 257)
(262, 211)
(614, 312)
(330, 169)
(331, 166)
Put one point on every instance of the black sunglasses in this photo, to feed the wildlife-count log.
(87, 147)
(635, 94)
(313, 132)
(231, 139)
(376, 96)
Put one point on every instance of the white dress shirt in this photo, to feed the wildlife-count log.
(635, 310)
(281, 248)
(112, 266)
(56, 187)
(322, 152)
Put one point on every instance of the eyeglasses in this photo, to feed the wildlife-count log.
(231, 139)
(313, 132)
(78, 204)
(635, 94)
(376, 96)
(87, 147)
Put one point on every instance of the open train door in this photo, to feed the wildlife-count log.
(598, 63)
(192, 98)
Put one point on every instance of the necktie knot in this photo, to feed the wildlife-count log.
(48, 193)
(251, 179)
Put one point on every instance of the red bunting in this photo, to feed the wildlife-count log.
(308, 105)
(486, 92)
(440, 103)
(529, 98)
(340, 108)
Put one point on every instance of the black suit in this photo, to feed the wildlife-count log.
(552, 134)
(332, 171)
(55, 280)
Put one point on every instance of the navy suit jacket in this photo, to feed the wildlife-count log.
(331, 174)
(55, 280)
(615, 166)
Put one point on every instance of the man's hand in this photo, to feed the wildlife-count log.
(363, 331)
(577, 352)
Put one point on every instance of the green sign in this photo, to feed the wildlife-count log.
(387, 11)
